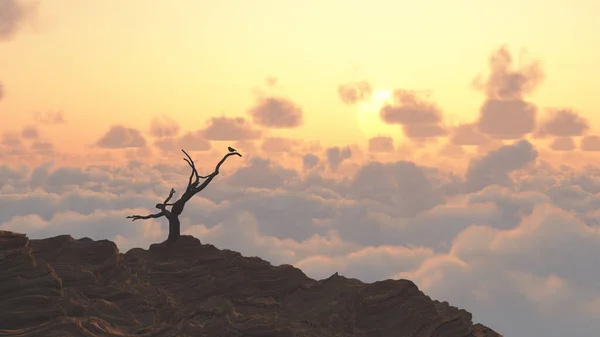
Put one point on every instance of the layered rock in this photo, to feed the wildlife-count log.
(65, 287)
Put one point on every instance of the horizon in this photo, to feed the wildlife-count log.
(380, 140)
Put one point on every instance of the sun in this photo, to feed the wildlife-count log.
(369, 122)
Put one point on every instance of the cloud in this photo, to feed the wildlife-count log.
(276, 112)
(419, 131)
(246, 146)
(261, 173)
(507, 119)
(590, 143)
(506, 83)
(495, 166)
(563, 123)
(452, 151)
(309, 161)
(164, 127)
(10, 139)
(374, 262)
(410, 109)
(50, 117)
(498, 251)
(562, 144)
(278, 144)
(529, 268)
(505, 114)
(190, 141)
(226, 128)
(30, 132)
(336, 155)
(12, 14)
(1, 91)
(42, 146)
(121, 137)
(467, 134)
(381, 144)
(403, 184)
(352, 93)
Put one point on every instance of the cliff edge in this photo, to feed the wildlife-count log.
(60, 286)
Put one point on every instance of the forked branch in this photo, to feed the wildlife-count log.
(194, 173)
(195, 188)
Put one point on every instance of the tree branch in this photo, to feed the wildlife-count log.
(190, 162)
(145, 217)
(169, 197)
(195, 189)
(215, 173)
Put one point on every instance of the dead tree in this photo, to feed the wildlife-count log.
(193, 187)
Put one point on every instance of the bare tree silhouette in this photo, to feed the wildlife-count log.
(193, 187)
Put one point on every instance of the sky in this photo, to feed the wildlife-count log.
(453, 143)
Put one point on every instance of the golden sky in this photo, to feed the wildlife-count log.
(114, 62)
(372, 92)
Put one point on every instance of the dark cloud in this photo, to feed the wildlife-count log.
(590, 143)
(506, 83)
(381, 144)
(507, 119)
(336, 155)
(563, 123)
(563, 144)
(278, 144)
(352, 93)
(410, 109)
(121, 137)
(1, 91)
(309, 161)
(276, 112)
(467, 134)
(494, 167)
(419, 131)
(50, 117)
(12, 14)
(402, 184)
(30, 132)
(226, 128)
(505, 114)
(164, 127)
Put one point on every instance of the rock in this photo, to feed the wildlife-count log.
(65, 287)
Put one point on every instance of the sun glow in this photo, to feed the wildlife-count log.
(369, 122)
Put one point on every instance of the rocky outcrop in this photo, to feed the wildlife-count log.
(65, 287)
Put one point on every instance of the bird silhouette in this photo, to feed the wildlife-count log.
(231, 149)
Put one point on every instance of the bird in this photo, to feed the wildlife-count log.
(231, 149)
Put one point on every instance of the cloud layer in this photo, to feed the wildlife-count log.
(496, 238)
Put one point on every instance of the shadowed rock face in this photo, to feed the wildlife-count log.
(65, 287)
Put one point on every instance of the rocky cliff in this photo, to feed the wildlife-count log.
(65, 287)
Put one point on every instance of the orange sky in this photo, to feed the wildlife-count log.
(114, 62)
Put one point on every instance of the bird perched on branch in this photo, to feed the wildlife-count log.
(231, 149)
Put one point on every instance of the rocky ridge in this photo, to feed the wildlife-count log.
(60, 286)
